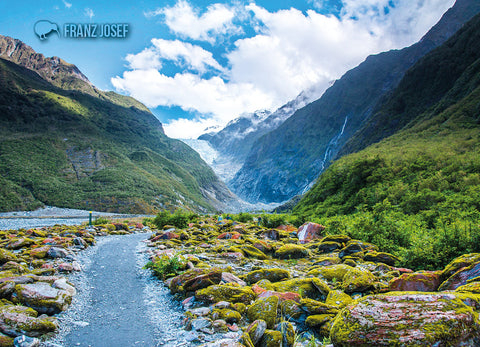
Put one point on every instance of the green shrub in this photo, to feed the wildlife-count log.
(179, 219)
(166, 267)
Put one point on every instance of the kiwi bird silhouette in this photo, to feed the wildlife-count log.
(44, 27)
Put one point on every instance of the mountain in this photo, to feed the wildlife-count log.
(429, 167)
(65, 143)
(287, 161)
(236, 139)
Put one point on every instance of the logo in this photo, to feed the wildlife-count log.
(43, 28)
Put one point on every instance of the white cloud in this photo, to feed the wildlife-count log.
(184, 20)
(89, 13)
(188, 128)
(195, 57)
(290, 52)
(67, 4)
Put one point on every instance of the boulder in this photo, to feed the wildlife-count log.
(264, 309)
(408, 318)
(227, 277)
(40, 252)
(310, 231)
(331, 272)
(230, 236)
(426, 281)
(19, 320)
(358, 280)
(355, 246)
(459, 263)
(288, 333)
(271, 338)
(381, 257)
(19, 243)
(329, 246)
(282, 296)
(6, 256)
(271, 234)
(57, 252)
(291, 251)
(461, 277)
(338, 298)
(313, 288)
(273, 275)
(230, 293)
(195, 279)
(337, 238)
(42, 297)
(312, 307)
(256, 330)
(253, 252)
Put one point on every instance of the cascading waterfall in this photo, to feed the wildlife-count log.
(328, 153)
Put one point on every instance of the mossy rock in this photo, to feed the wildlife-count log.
(188, 278)
(327, 259)
(337, 238)
(23, 320)
(313, 288)
(414, 318)
(356, 246)
(460, 262)
(271, 338)
(338, 298)
(264, 309)
(272, 275)
(328, 246)
(472, 287)
(5, 340)
(291, 310)
(331, 272)
(229, 316)
(240, 307)
(225, 292)
(292, 251)
(252, 252)
(6, 256)
(313, 307)
(381, 257)
(265, 284)
(318, 320)
(246, 340)
(256, 330)
(40, 252)
(358, 280)
(288, 333)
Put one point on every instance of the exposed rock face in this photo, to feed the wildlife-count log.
(427, 281)
(43, 297)
(408, 318)
(286, 161)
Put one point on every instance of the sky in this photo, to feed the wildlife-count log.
(198, 63)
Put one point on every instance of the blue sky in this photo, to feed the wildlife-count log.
(199, 63)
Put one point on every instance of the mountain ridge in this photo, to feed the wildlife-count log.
(288, 160)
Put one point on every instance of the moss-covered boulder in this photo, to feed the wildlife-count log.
(407, 319)
(358, 280)
(271, 338)
(328, 246)
(381, 257)
(19, 243)
(264, 309)
(288, 333)
(318, 320)
(426, 281)
(19, 320)
(313, 288)
(291, 310)
(40, 252)
(312, 307)
(6, 256)
(330, 272)
(256, 330)
(356, 246)
(459, 263)
(273, 275)
(43, 297)
(253, 252)
(338, 298)
(339, 238)
(195, 279)
(291, 251)
(5, 340)
(461, 277)
(229, 316)
(230, 293)
(472, 287)
(327, 259)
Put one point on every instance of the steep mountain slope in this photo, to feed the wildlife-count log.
(236, 139)
(286, 161)
(69, 144)
(432, 166)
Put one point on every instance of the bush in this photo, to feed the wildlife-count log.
(166, 267)
(178, 219)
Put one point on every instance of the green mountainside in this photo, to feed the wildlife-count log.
(420, 187)
(65, 143)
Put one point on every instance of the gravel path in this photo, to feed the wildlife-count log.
(119, 303)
